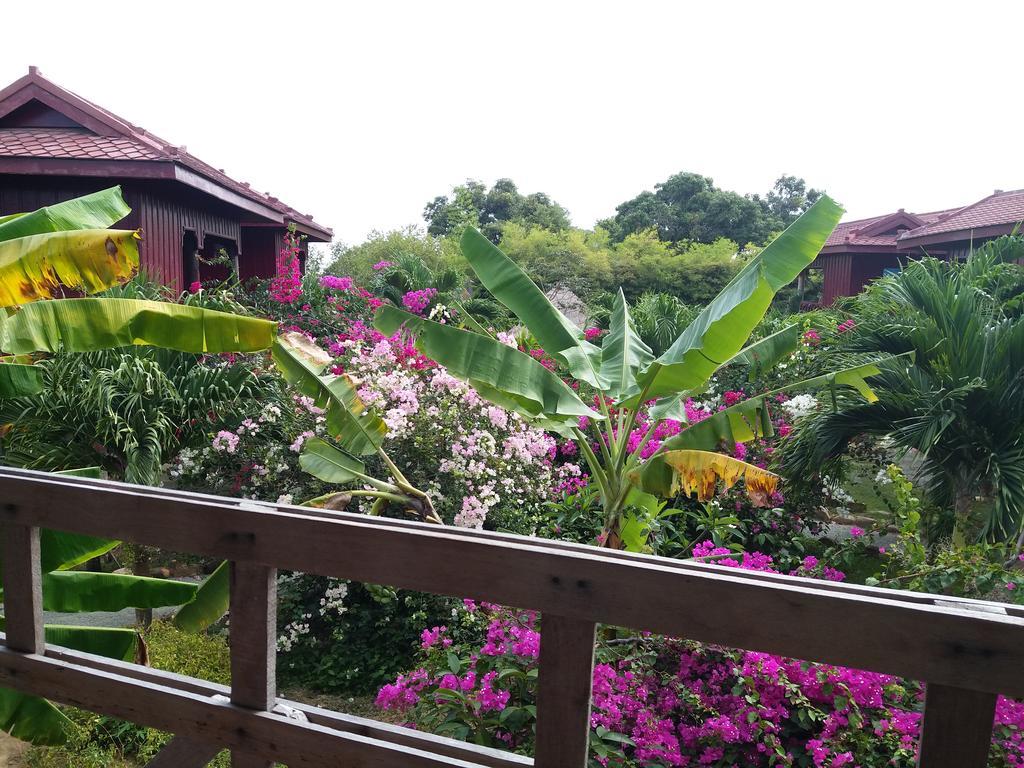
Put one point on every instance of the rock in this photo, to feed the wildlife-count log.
(568, 303)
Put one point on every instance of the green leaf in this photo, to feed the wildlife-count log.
(720, 330)
(83, 591)
(91, 260)
(356, 428)
(99, 210)
(324, 461)
(32, 719)
(111, 642)
(93, 473)
(762, 355)
(210, 602)
(623, 354)
(59, 551)
(17, 380)
(84, 325)
(496, 370)
(510, 285)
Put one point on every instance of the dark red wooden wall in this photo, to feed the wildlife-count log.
(164, 212)
(846, 274)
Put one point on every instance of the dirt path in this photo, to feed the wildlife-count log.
(11, 751)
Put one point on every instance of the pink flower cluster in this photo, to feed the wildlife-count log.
(336, 283)
(681, 704)
(286, 285)
(590, 334)
(846, 325)
(811, 338)
(382, 265)
(418, 301)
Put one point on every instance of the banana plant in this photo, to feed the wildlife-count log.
(46, 255)
(627, 380)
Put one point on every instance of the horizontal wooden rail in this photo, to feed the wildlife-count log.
(966, 650)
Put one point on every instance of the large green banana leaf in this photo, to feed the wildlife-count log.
(99, 210)
(743, 422)
(32, 719)
(510, 285)
(210, 602)
(322, 460)
(84, 325)
(60, 551)
(722, 327)
(623, 354)
(356, 428)
(764, 354)
(524, 384)
(18, 380)
(83, 591)
(91, 260)
(112, 642)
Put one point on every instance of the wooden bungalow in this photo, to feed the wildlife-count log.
(55, 145)
(859, 251)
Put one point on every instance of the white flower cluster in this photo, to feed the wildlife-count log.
(799, 406)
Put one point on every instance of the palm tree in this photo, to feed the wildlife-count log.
(961, 405)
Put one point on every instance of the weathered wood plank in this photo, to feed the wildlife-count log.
(917, 640)
(252, 632)
(374, 729)
(563, 695)
(957, 728)
(213, 721)
(183, 752)
(252, 625)
(23, 590)
(904, 596)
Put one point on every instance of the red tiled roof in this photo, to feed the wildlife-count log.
(852, 233)
(125, 142)
(71, 143)
(1000, 208)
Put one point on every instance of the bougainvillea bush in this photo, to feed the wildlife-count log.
(660, 701)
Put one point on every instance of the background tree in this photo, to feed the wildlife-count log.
(689, 207)
(473, 204)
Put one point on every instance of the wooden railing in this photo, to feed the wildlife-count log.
(967, 651)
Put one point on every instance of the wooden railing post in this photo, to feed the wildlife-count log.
(23, 588)
(563, 692)
(253, 634)
(957, 727)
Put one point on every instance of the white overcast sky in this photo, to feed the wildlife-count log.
(359, 113)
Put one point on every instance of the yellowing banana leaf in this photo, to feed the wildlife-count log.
(723, 326)
(84, 325)
(356, 428)
(210, 602)
(32, 719)
(324, 461)
(702, 472)
(99, 210)
(17, 380)
(84, 591)
(523, 382)
(558, 335)
(623, 353)
(762, 355)
(91, 260)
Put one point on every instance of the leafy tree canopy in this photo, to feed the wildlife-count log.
(689, 207)
(473, 204)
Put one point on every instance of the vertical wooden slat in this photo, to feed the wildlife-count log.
(563, 692)
(23, 588)
(253, 634)
(957, 727)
